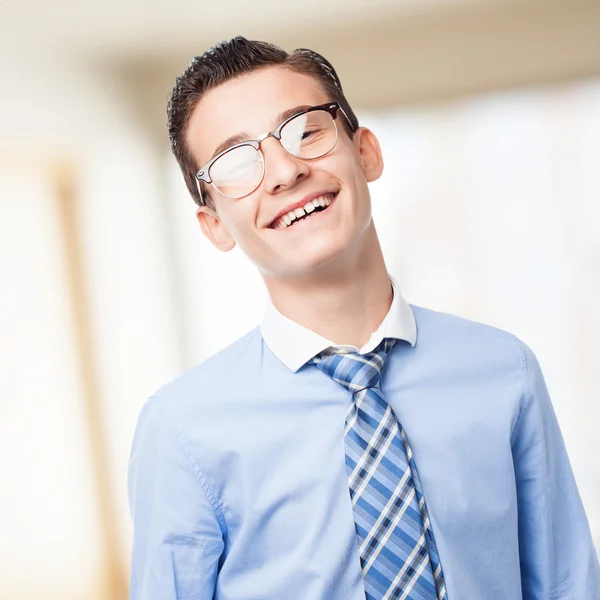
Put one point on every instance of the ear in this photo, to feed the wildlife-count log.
(369, 151)
(214, 229)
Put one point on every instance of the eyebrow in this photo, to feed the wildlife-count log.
(244, 137)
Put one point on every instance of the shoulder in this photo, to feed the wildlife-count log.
(435, 322)
(458, 341)
(216, 377)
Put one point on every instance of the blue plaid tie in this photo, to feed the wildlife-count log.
(398, 556)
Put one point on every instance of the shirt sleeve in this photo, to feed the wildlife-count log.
(178, 529)
(557, 556)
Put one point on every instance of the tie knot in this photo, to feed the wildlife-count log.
(355, 371)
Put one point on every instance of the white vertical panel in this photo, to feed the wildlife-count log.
(48, 512)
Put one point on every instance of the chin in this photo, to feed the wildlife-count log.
(316, 260)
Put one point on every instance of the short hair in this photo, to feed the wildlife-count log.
(226, 61)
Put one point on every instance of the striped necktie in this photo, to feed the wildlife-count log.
(397, 550)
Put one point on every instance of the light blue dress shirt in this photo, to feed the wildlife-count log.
(238, 485)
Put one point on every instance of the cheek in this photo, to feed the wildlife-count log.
(346, 164)
(349, 171)
(240, 219)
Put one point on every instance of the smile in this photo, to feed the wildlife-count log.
(307, 212)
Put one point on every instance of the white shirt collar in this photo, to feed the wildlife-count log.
(294, 344)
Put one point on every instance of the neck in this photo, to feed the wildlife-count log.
(346, 304)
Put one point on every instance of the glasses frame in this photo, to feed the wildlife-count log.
(333, 108)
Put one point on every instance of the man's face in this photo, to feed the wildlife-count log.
(251, 104)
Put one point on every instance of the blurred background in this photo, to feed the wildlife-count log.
(488, 113)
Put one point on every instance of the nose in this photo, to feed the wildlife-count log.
(282, 170)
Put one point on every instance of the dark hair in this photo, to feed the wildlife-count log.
(226, 61)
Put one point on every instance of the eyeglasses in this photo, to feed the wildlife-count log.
(239, 170)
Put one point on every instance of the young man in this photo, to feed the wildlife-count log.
(353, 445)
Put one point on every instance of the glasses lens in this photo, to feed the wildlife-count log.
(237, 172)
(310, 135)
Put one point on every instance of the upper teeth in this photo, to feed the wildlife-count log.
(287, 219)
